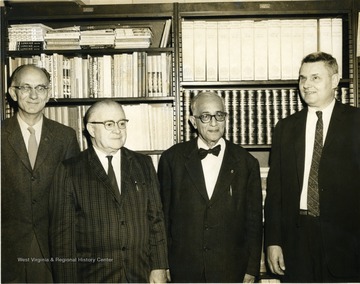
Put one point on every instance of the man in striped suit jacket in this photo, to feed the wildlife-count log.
(105, 229)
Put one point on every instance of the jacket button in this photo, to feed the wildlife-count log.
(33, 178)
(123, 223)
(123, 248)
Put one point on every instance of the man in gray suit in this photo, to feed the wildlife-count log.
(28, 163)
(107, 223)
(212, 202)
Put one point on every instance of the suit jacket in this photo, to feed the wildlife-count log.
(339, 184)
(25, 191)
(98, 235)
(218, 238)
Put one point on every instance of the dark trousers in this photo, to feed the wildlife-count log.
(307, 263)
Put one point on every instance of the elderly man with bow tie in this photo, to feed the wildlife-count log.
(211, 194)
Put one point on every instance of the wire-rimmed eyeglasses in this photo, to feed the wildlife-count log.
(26, 90)
(110, 124)
(206, 117)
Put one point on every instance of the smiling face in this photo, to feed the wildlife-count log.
(317, 84)
(212, 131)
(30, 103)
(107, 141)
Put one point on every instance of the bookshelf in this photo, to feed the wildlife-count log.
(125, 52)
(259, 85)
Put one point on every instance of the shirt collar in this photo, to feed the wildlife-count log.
(201, 144)
(24, 126)
(326, 111)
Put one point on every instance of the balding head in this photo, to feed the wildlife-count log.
(108, 141)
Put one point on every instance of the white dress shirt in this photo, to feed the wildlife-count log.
(116, 163)
(26, 133)
(211, 165)
(309, 144)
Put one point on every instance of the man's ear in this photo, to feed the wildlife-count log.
(90, 129)
(193, 121)
(12, 93)
(335, 79)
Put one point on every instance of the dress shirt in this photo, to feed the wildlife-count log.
(211, 165)
(116, 163)
(309, 144)
(26, 133)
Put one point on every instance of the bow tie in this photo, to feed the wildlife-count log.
(215, 151)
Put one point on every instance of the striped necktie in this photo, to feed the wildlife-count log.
(313, 185)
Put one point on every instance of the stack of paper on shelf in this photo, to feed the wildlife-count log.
(133, 37)
(27, 37)
(63, 38)
(102, 38)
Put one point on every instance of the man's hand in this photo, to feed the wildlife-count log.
(249, 278)
(275, 260)
(158, 276)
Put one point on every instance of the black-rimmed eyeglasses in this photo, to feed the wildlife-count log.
(110, 124)
(206, 117)
(26, 90)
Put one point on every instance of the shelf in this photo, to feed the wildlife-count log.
(87, 101)
(95, 51)
(256, 84)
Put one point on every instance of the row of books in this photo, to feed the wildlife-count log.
(255, 50)
(150, 126)
(39, 37)
(136, 74)
(253, 113)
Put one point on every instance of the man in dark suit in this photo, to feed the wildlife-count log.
(212, 202)
(312, 211)
(107, 223)
(26, 177)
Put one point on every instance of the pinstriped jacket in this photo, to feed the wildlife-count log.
(98, 235)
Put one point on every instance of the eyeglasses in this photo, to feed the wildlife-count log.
(110, 124)
(206, 118)
(26, 90)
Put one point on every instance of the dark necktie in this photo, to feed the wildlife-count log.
(313, 185)
(32, 146)
(215, 151)
(111, 175)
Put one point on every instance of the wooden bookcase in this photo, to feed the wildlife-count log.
(67, 14)
(237, 91)
(256, 89)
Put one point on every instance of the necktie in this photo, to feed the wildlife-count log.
(313, 185)
(111, 174)
(32, 146)
(215, 151)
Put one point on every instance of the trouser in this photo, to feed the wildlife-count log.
(307, 262)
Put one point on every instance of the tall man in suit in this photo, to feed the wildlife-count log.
(107, 223)
(312, 211)
(28, 163)
(212, 202)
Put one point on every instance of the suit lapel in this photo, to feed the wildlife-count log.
(299, 144)
(334, 125)
(126, 168)
(194, 169)
(16, 140)
(47, 142)
(226, 174)
(99, 171)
